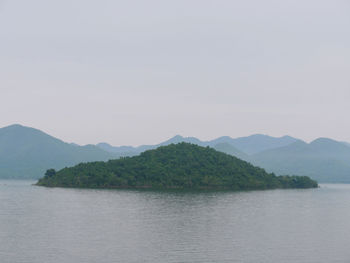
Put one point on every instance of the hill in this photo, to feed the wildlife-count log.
(183, 165)
(27, 153)
(324, 160)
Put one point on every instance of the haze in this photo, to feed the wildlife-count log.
(139, 72)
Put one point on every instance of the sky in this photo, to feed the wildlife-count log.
(139, 72)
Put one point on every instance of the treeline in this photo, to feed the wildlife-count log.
(183, 166)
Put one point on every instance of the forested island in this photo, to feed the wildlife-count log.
(176, 166)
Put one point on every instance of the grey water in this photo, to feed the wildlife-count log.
(40, 224)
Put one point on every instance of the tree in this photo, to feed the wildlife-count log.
(50, 172)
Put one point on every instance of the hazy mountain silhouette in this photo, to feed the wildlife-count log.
(323, 159)
(258, 142)
(346, 143)
(130, 150)
(27, 153)
(229, 149)
(122, 150)
(248, 145)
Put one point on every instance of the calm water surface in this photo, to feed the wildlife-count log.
(71, 226)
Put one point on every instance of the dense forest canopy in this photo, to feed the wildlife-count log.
(183, 165)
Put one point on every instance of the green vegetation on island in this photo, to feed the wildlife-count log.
(176, 166)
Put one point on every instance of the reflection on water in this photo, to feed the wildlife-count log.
(74, 225)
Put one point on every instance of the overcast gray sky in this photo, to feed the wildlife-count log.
(138, 72)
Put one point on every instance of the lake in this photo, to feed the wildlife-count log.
(47, 225)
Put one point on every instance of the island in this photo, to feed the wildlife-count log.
(176, 166)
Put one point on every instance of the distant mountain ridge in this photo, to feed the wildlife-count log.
(136, 150)
(258, 143)
(27, 152)
(323, 159)
(249, 145)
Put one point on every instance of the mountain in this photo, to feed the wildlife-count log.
(231, 150)
(258, 143)
(323, 159)
(130, 150)
(122, 150)
(346, 143)
(27, 153)
(220, 140)
(178, 138)
(248, 145)
(176, 166)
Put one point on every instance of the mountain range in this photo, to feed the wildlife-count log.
(249, 145)
(27, 152)
(323, 159)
